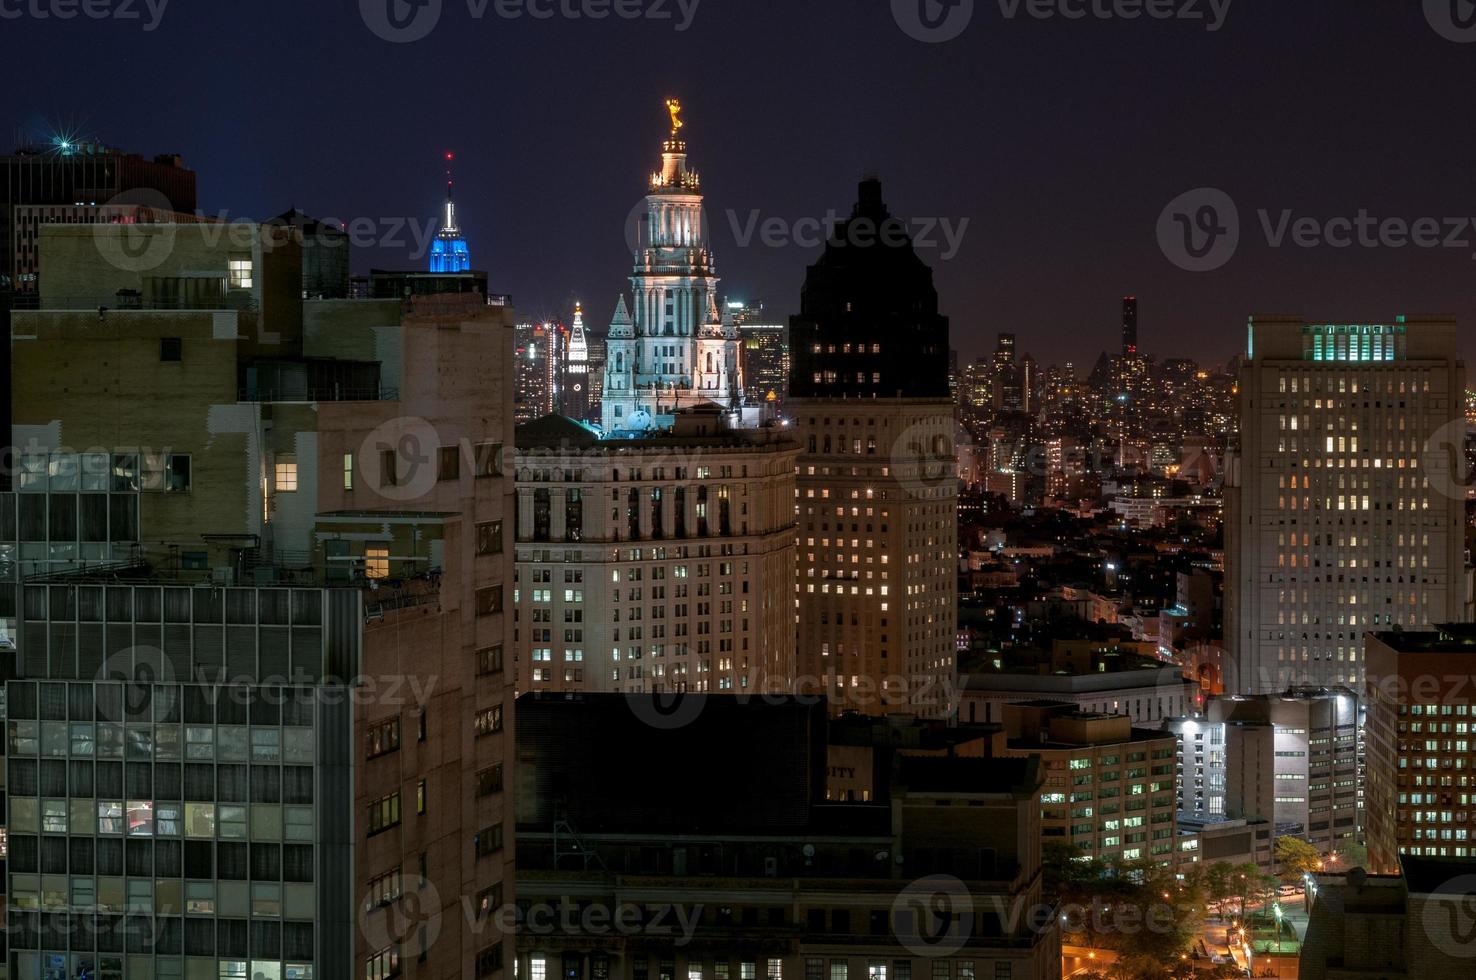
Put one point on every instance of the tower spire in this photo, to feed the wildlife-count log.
(449, 252)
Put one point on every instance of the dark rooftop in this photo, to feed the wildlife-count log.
(1446, 638)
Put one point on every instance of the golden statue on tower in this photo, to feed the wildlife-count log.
(674, 106)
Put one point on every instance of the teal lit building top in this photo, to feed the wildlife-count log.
(1354, 342)
(449, 252)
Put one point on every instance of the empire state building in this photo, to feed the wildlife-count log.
(670, 349)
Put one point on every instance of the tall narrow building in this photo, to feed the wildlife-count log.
(574, 391)
(877, 495)
(449, 252)
(671, 348)
(1344, 513)
(1129, 326)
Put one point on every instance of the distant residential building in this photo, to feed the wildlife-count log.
(1421, 739)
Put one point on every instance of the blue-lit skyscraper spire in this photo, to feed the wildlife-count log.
(449, 252)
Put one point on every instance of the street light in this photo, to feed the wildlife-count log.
(1277, 909)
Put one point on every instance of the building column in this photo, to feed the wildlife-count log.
(557, 500)
(525, 514)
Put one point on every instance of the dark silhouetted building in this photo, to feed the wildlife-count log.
(752, 872)
(877, 488)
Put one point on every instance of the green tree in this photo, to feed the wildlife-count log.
(1296, 858)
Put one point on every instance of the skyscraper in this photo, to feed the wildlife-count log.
(1344, 513)
(449, 252)
(877, 491)
(672, 348)
(538, 369)
(765, 353)
(1129, 326)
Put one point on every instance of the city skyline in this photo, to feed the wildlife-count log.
(915, 490)
(999, 159)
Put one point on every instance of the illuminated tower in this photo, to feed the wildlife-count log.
(575, 392)
(449, 252)
(670, 348)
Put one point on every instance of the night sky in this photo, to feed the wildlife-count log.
(1060, 141)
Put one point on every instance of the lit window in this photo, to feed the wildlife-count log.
(376, 563)
(240, 272)
(286, 473)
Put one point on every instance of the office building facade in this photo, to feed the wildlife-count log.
(1342, 508)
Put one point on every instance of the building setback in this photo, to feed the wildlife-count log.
(1344, 510)
(876, 492)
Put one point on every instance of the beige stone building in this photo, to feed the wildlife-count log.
(656, 564)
